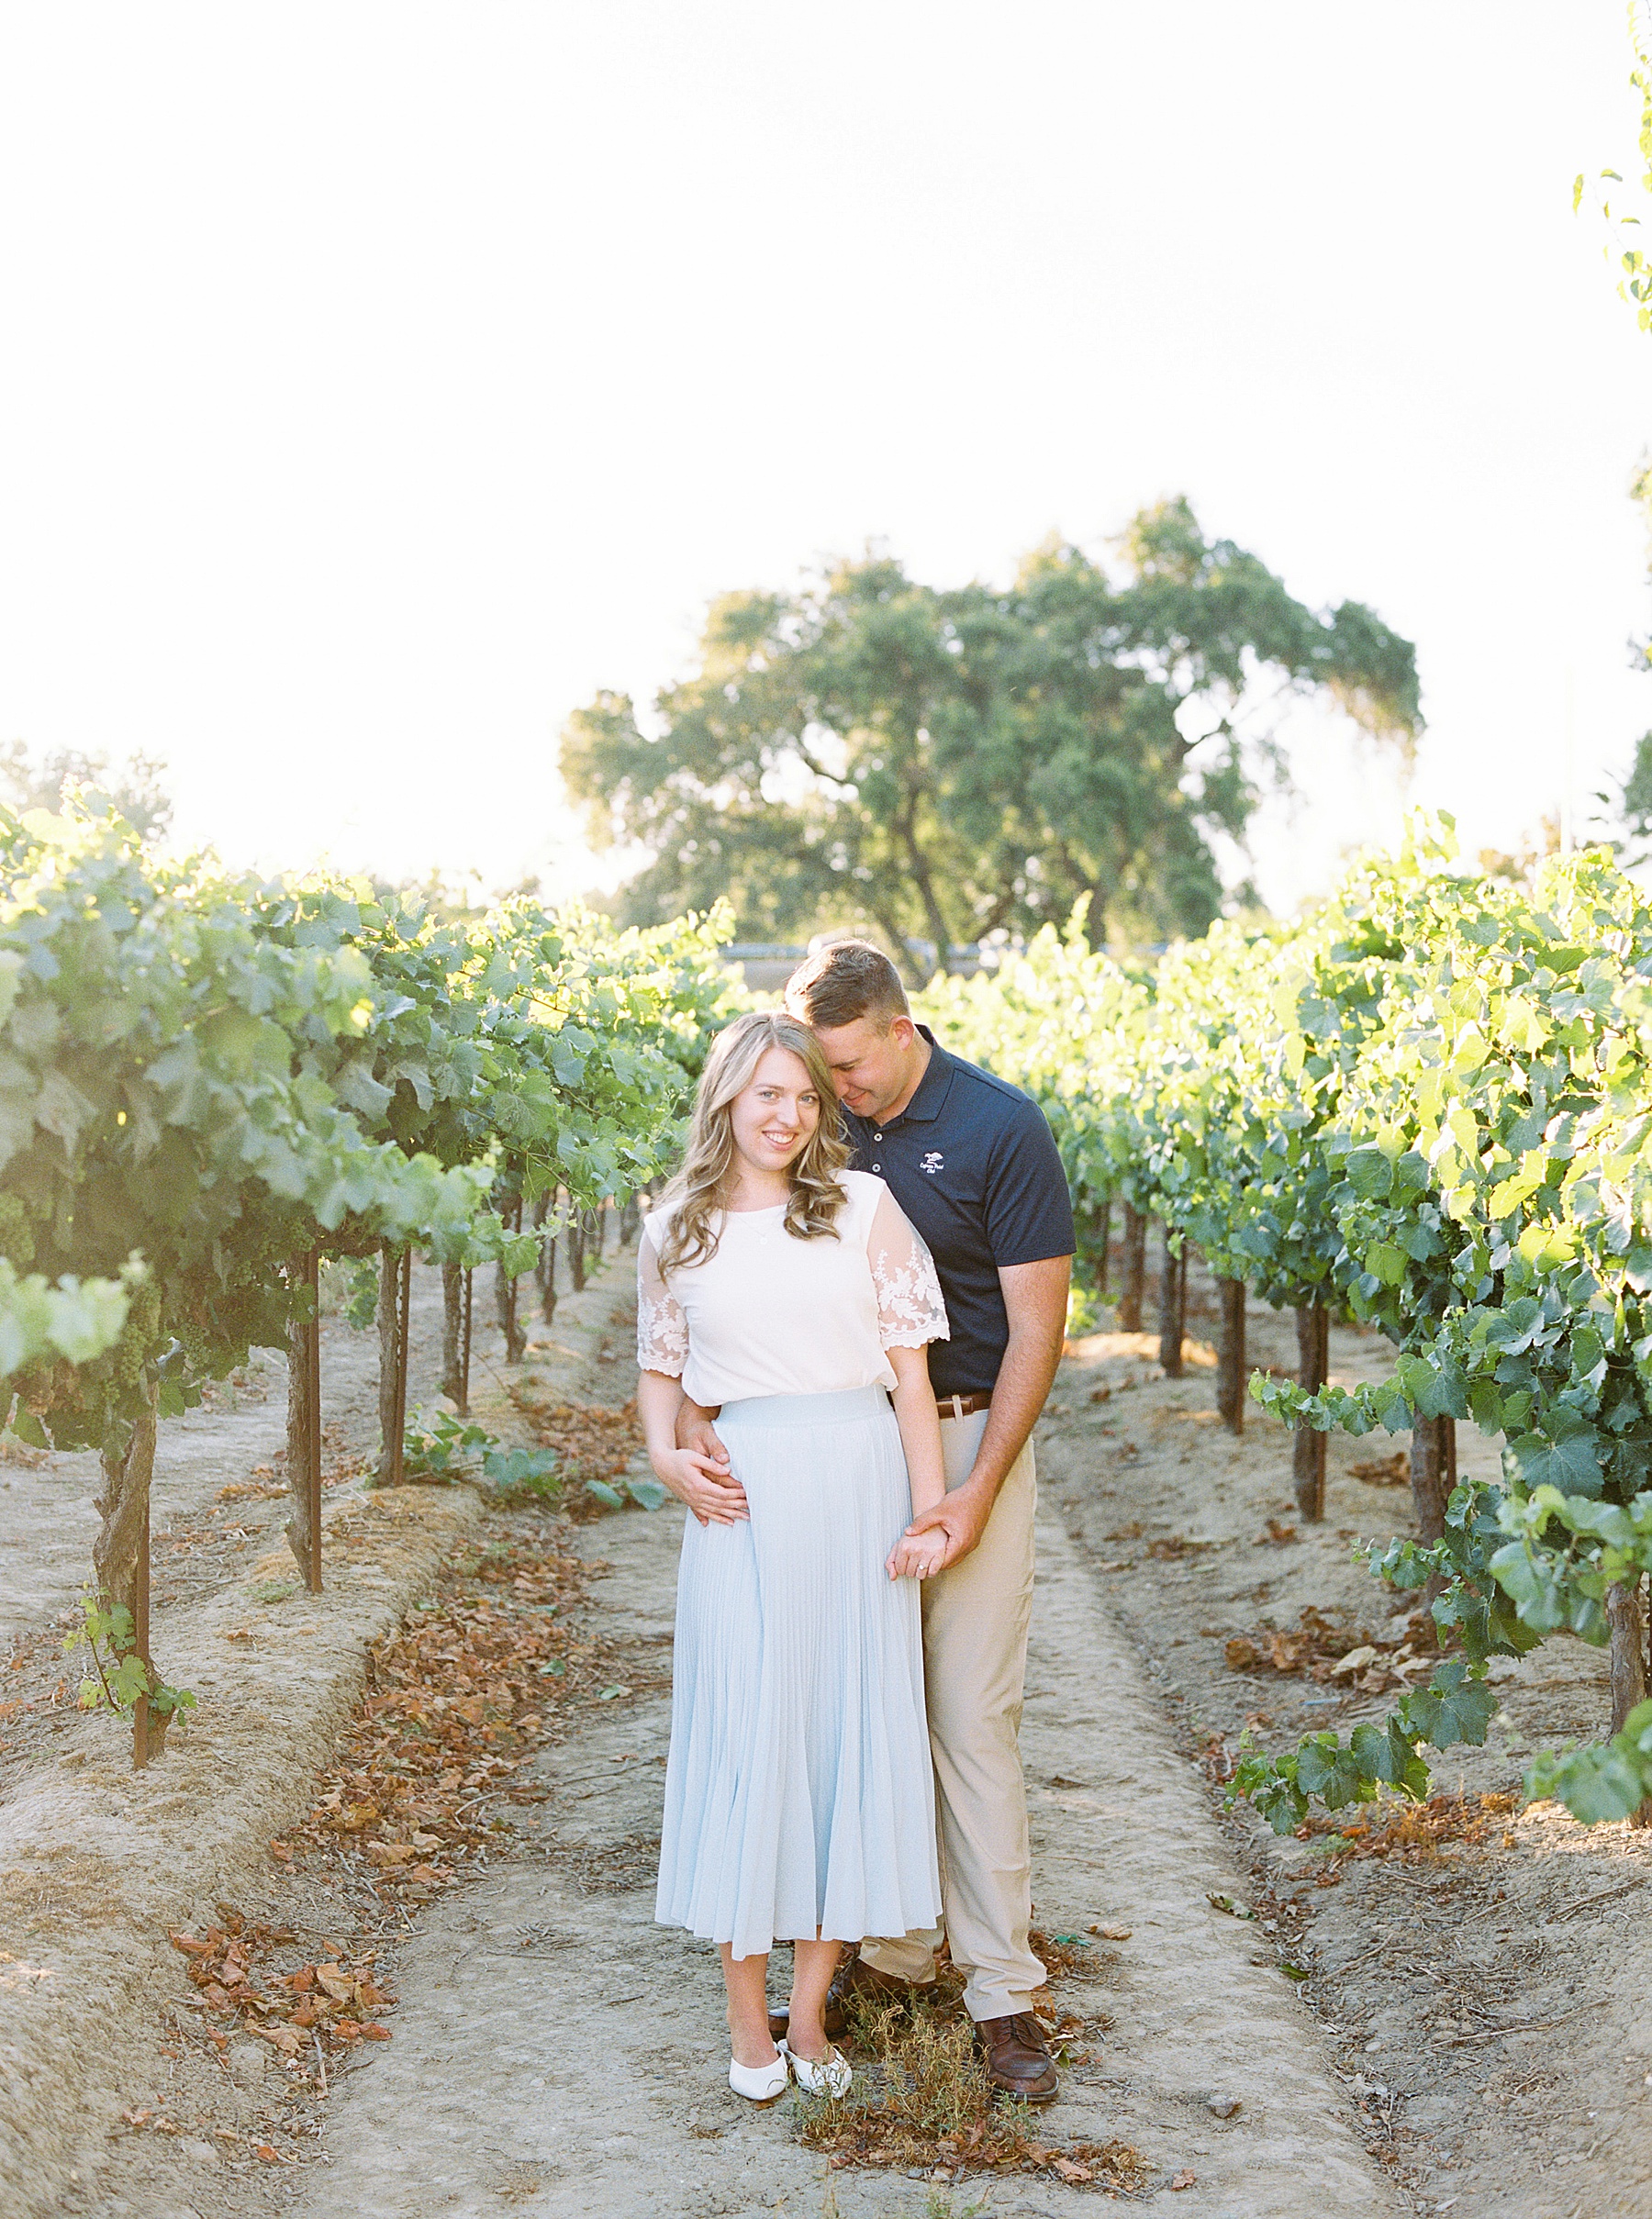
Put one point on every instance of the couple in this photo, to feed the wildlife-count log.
(848, 1322)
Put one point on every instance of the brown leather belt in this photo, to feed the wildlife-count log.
(961, 1406)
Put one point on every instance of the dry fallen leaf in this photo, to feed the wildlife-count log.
(1185, 2180)
(1113, 1934)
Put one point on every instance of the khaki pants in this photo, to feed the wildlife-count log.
(975, 1660)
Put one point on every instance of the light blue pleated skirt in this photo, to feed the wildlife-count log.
(799, 1797)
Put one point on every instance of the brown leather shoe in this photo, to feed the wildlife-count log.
(1017, 2059)
(851, 1977)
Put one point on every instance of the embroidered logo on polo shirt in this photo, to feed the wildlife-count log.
(932, 1163)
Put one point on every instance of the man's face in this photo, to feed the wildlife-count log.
(871, 1065)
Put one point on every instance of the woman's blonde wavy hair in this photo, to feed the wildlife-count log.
(702, 1186)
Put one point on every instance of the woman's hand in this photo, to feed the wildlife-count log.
(916, 1556)
(709, 1489)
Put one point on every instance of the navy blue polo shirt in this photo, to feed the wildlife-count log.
(974, 1165)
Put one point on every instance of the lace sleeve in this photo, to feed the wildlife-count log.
(910, 1310)
(662, 1329)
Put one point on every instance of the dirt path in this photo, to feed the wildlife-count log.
(1482, 1999)
(559, 2052)
(1453, 2028)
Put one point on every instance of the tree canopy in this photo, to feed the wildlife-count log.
(941, 763)
(134, 789)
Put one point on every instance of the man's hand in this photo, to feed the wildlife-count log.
(958, 1520)
(695, 1429)
(706, 1486)
(701, 1464)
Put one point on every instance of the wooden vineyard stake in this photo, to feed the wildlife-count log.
(1308, 1451)
(312, 1394)
(140, 1642)
(1173, 1304)
(401, 1362)
(1230, 1356)
(304, 1421)
(452, 1332)
(396, 1283)
(465, 1344)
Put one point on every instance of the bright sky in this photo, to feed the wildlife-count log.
(378, 381)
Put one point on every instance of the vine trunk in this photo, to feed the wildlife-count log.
(1624, 1615)
(1433, 1473)
(1308, 1454)
(1173, 1306)
(120, 1562)
(1230, 1356)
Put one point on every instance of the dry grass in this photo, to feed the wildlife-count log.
(455, 1704)
(1415, 1831)
(1384, 1471)
(921, 2098)
(1322, 1649)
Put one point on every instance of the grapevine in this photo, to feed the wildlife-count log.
(1428, 1109)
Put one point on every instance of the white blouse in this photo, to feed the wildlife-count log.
(769, 1315)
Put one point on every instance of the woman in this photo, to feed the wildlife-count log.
(800, 1803)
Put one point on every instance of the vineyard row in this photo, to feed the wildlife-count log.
(211, 1085)
(1427, 1109)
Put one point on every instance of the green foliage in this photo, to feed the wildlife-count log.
(532, 1473)
(1605, 1781)
(647, 1494)
(1634, 264)
(130, 790)
(448, 1448)
(217, 1075)
(118, 1676)
(1430, 1109)
(361, 1293)
(158, 1099)
(41, 1322)
(950, 764)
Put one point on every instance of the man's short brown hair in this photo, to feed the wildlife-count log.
(850, 978)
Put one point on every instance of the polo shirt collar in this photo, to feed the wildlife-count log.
(933, 1087)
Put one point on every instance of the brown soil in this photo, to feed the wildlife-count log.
(1438, 2012)
(1475, 1970)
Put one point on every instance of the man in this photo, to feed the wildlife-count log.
(972, 1163)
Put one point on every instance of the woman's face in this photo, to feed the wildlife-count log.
(774, 1117)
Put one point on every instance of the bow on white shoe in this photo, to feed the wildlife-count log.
(759, 2083)
(830, 2077)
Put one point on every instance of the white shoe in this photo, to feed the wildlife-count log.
(830, 2077)
(759, 2083)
